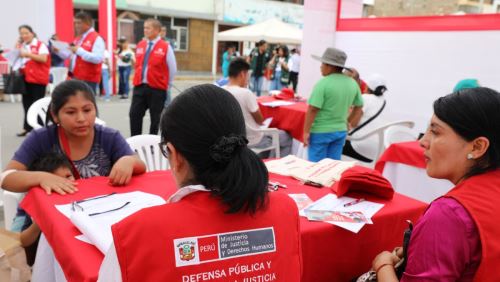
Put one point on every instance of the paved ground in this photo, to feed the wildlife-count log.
(114, 113)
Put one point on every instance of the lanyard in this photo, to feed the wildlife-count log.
(67, 151)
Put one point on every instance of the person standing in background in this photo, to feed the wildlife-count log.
(279, 63)
(227, 57)
(126, 59)
(87, 52)
(35, 65)
(294, 67)
(259, 57)
(327, 117)
(105, 77)
(154, 72)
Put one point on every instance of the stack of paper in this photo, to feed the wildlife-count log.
(100, 213)
(334, 210)
(325, 172)
(275, 104)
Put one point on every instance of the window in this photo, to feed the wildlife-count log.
(179, 34)
(126, 29)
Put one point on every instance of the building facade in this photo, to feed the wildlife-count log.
(192, 25)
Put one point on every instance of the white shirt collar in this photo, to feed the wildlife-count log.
(87, 32)
(154, 40)
(186, 190)
(33, 42)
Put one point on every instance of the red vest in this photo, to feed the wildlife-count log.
(195, 240)
(36, 72)
(85, 70)
(480, 196)
(158, 72)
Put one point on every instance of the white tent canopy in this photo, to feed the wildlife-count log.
(272, 31)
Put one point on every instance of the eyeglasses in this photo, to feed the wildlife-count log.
(164, 149)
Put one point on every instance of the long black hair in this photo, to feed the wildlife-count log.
(474, 113)
(64, 91)
(205, 124)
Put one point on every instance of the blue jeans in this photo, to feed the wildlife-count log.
(105, 83)
(124, 73)
(256, 82)
(276, 82)
(326, 145)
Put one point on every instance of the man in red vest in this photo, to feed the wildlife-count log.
(88, 52)
(154, 71)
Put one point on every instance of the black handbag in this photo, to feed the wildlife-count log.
(14, 83)
(399, 268)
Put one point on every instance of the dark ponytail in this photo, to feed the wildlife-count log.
(205, 124)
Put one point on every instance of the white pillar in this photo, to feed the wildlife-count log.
(320, 20)
(214, 47)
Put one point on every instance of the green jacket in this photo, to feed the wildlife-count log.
(253, 61)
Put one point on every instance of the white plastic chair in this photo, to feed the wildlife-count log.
(275, 144)
(398, 134)
(146, 146)
(38, 112)
(11, 201)
(380, 133)
(59, 74)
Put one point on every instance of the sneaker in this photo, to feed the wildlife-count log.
(123, 97)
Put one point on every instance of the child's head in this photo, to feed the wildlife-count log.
(55, 163)
(73, 107)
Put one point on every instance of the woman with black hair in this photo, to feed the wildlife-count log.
(222, 216)
(35, 66)
(457, 237)
(281, 72)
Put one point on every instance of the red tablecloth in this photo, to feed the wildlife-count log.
(409, 153)
(289, 118)
(329, 253)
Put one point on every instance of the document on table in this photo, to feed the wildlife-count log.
(63, 47)
(340, 215)
(325, 172)
(275, 104)
(101, 212)
(302, 201)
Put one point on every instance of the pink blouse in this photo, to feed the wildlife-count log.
(445, 245)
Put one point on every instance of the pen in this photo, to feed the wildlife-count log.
(353, 202)
(276, 183)
(312, 183)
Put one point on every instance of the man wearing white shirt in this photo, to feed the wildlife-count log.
(238, 81)
(155, 69)
(87, 52)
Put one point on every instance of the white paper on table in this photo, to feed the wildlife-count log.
(12, 56)
(63, 47)
(302, 201)
(331, 202)
(98, 235)
(275, 104)
(266, 123)
(97, 228)
(284, 165)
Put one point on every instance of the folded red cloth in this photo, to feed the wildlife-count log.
(365, 180)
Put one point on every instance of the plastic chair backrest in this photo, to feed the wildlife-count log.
(38, 112)
(146, 147)
(397, 134)
(59, 74)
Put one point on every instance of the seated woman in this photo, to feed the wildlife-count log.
(222, 222)
(93, 150)
(457, 237)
